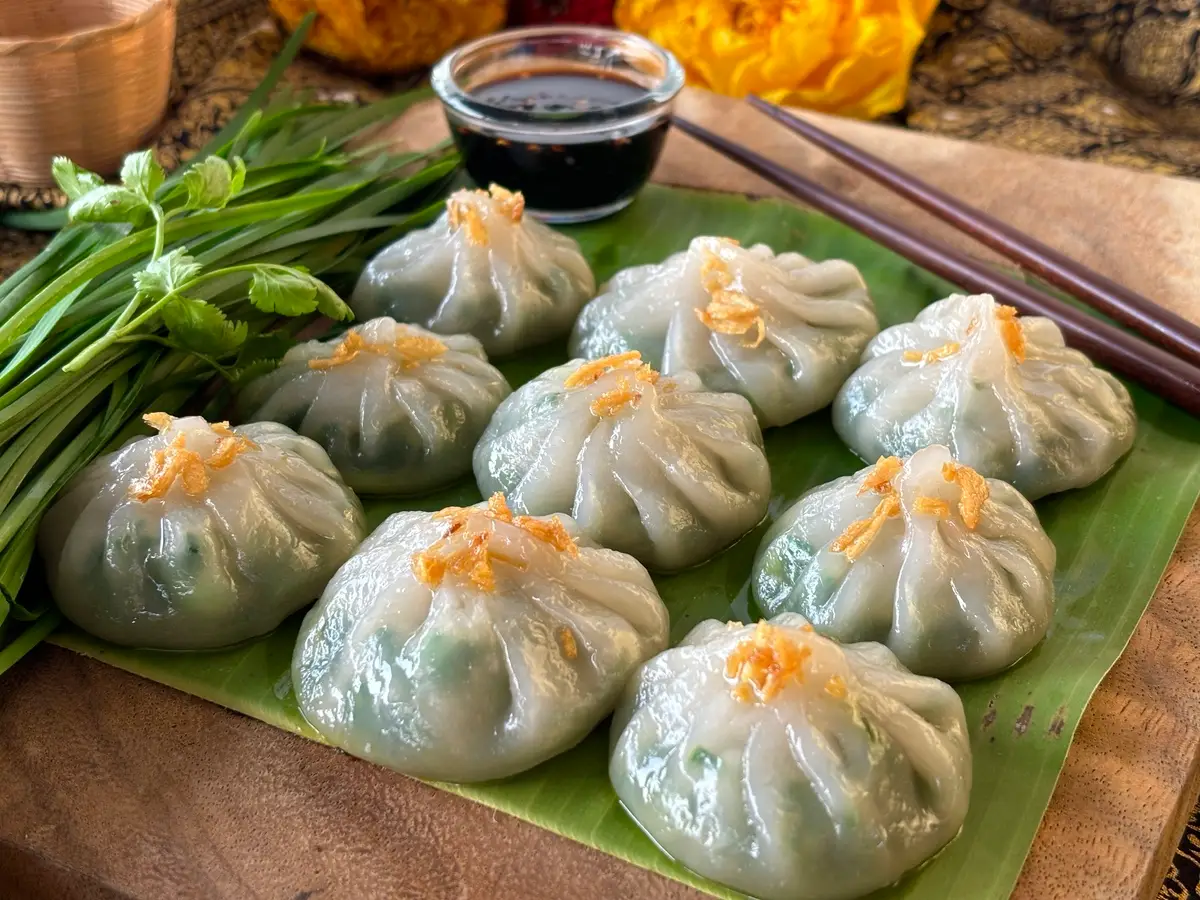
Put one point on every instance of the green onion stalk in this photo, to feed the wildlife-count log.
(162, 291)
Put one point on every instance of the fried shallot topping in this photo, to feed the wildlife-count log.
(937, 354)
(880, 479)
(761, 665)
(511, 203)
(974, 491)
(859, 535)
(931, 506)
(463, 210)
(612, 402)
(413, 348)
(591, 372)
(1011, 331)
(472, 557)
(626, 392)
(176, 461)
(566, 643)
(729, 310)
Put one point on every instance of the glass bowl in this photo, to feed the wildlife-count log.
(573, 117)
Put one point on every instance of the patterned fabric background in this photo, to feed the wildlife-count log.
(1113, 81)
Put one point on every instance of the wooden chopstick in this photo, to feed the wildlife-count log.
(1127, 306)
(1159, 371)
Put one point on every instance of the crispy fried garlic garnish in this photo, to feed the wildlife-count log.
(974, 491)
(178, 462)
(761, 665)
(552, 532)
(566, 643)
(880, 479)
(511, 203)
(729, 310)
(470, 554)
(626, 392)
(937, 354)
(413, 348)
(463, 210)
(591, 372)
(1011, 331)
(159, 421)
(470, 557)
(612, 402)
(930, 506)
(859, 535)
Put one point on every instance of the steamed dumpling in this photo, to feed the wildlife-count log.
(655, 467)
(483, 268)
(781, 330)
(788, 766)
(950, 570)
(397, 408)
(470, 644)
(1003, 393)
(199, 537)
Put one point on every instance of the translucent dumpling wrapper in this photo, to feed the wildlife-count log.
(789, 766)
(472, 644)
(199, 537)
(781, 330)
(483, 268)
(397, 408)
(652, 466)
(951, 570)
(1002, 392)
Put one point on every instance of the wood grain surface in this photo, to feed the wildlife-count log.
(115, 787)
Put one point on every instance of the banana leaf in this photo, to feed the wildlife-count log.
(1114, 540)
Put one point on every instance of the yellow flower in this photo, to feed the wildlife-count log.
(849, 57)
(392, 35)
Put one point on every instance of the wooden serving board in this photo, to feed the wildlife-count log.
(116, 787)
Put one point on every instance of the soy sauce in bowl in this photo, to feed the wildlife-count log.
(574, 118)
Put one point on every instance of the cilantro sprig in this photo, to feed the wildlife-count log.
(165, 285)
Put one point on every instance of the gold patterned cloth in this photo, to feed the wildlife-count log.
(1114, 81)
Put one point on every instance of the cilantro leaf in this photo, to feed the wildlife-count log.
(212, 182)
(108, 203)
(202, 328)
(288, 292)
(260, 354)
(169, 272)
(142, 175)
(330, 304)
(74, 181)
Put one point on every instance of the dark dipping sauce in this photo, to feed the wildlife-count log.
(568, 176)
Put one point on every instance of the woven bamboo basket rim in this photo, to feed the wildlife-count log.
(73, 40)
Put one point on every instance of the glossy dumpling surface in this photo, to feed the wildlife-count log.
(950, 570)
(779, 329)
(1002, 392)
(652, 466)
(200, 536)
(483, 268)
(472, 644)
(397, 408)
(789, 766)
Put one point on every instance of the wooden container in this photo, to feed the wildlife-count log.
(86, 79)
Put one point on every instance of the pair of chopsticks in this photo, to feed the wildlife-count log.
(1172, 373)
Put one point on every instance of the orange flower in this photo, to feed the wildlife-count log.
(391, 35)
(849, 57)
